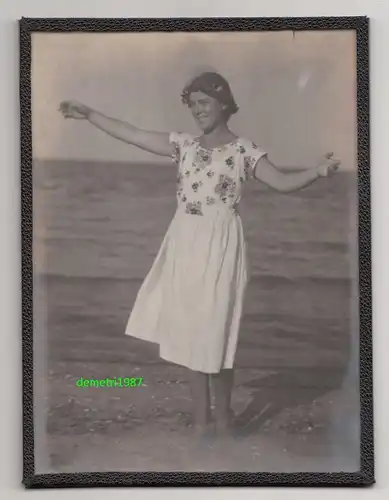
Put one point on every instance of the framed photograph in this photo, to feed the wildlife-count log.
(196, 270)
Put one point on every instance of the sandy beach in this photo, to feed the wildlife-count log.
(291, 415)
(149, 428)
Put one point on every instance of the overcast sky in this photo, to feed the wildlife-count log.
(296, 94)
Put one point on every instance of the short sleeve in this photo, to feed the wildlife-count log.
(179, 141)
(251, 155)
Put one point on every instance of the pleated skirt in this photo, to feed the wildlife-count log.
(191, 301)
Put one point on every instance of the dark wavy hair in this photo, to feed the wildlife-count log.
(213, 85)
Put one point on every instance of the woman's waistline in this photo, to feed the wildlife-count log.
(208, 212)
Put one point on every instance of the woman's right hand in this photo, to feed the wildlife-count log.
(74, 109)
(153, 142)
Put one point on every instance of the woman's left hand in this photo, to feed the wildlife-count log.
(328, 166)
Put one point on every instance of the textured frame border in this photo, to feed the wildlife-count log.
(365, 476)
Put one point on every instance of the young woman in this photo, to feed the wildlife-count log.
(191, 301)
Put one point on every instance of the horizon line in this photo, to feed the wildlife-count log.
(156, 163)
(99, 160)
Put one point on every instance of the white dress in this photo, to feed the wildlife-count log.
(190, 303)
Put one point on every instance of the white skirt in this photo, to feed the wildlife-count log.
(190, 303)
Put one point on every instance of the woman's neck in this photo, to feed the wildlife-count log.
(217, 137)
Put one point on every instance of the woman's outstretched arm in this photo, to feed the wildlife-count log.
(154, 142)
(270, 175)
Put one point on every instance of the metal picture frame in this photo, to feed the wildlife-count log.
(365, 476)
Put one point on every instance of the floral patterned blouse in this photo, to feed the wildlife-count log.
(208, 179)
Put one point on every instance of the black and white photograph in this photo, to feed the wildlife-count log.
(195, 251)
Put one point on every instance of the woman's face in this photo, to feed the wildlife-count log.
(207, 111)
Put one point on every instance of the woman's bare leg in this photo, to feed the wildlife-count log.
(222, 387)
(199, 383)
